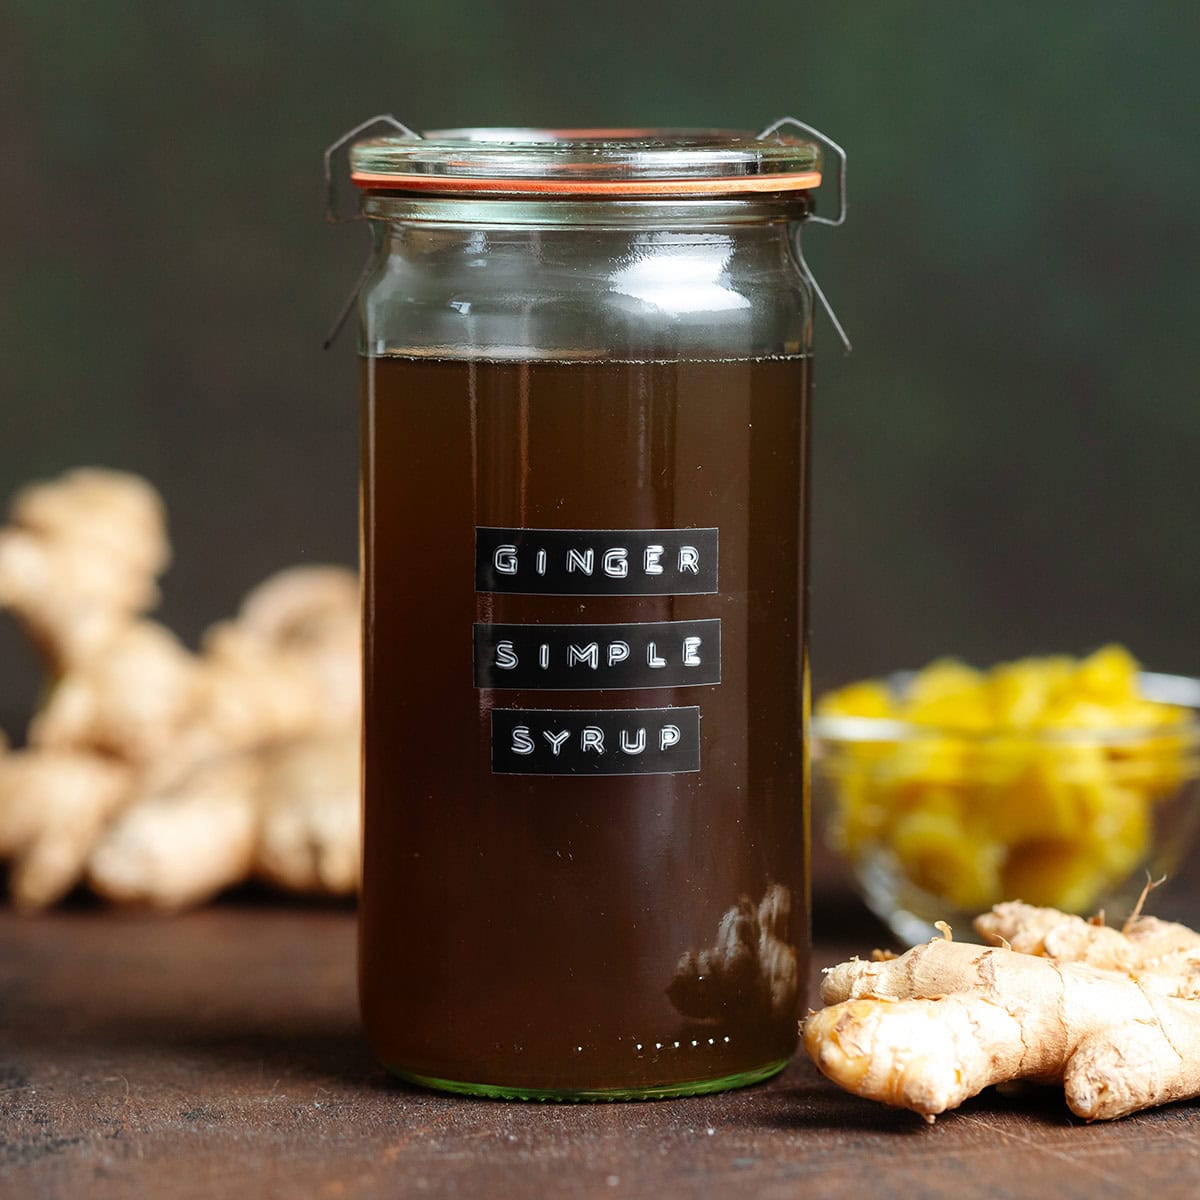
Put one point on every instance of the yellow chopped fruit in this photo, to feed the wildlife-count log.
(940, 856)
(867, 699)
(1109, 676)
(948, 694)
(1036, 779)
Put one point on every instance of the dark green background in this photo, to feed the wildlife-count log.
(1006, 464)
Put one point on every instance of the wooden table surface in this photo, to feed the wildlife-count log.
(218, 1055)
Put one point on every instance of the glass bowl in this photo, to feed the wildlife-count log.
(939, 824)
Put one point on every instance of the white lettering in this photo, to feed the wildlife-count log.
(544, 656)
(505, 655)
(690, 647)
(668, 735)
(522, 743)
(592, 738)
(616, 563)
(651, 564)
(589, 654)
(540, 562)
(636, 746)
(556, 739)
(689, 560)
(653, 658)
(581, 560)
(617, 652)
(505, 560)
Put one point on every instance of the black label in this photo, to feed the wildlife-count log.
(596, 562)
(610, 741)
(644, 654)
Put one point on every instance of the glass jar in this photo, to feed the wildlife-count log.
(585, 381)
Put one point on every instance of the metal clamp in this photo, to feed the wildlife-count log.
(331, 213)
(840, 219)
(332, 216)
(776, 126)
(806, 271)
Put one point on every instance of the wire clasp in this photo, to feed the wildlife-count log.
(331, 213)
(335, 218)
(840, 219)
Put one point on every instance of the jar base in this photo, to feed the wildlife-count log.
(665, 1091)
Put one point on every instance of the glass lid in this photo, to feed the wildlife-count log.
(622, 162)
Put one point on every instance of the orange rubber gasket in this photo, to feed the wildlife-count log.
(590, 187)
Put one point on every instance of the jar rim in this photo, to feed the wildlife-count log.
(587, 162)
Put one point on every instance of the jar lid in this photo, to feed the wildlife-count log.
(587, 162)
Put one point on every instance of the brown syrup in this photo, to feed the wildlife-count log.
(604, 932)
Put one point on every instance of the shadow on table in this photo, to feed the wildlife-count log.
(230, 996)
(228, 1053)
(803, 1100)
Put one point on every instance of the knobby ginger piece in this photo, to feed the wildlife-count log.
(311, 823)
(333, 654)
(307, 617)
(204, 732)
(53, 805)
(43, 585)
(937, 1025)
(143, 697)
(171, 774)
(294, 605)
(117, 513)
(289, 664)
(80, 557)
(289, 815)
(182, 844)
(252, 695)
(131, 700)
(1162, 953)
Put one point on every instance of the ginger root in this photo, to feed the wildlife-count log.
(131, 698)
(262, 780)
(179, 845)
(287, 815)
(80, 557)
(160, 774)
(289, 663)
(53, 805)
(937, 1025)
(1158, 952)
(310, 816)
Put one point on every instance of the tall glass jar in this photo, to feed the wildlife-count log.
(585, 380)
